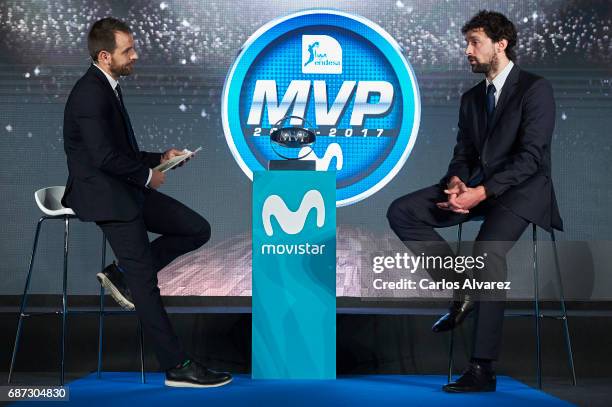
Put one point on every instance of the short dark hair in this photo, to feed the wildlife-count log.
(497, 27)
(101, 36)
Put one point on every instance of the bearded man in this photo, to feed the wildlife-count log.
(500, 172)
(114, 184)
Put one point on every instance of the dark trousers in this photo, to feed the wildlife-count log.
(182, 230)
(413, 218)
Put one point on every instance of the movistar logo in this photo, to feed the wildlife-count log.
(292, 222)
(322, 163)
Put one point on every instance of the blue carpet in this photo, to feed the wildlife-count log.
(125, 389)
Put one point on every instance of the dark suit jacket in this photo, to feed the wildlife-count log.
(510, 156)
(106, 175)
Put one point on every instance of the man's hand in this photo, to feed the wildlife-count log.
(467, 199)
(454, 187)
(173, 152)
(470, 198)
(157, 178)
(461, 198)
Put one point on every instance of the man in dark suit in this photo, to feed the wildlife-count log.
(113, 183)
(500, 171)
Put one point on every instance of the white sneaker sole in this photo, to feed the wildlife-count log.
(115, 293)
(172, 383)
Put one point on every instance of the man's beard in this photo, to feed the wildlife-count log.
(123, 70)
(485, 67)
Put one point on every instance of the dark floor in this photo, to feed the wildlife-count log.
(588, 392)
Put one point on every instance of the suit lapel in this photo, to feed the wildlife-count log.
(111, 93)
(481, 114)
(507, 92)
(107, 86)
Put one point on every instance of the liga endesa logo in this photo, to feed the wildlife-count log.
(342, 73)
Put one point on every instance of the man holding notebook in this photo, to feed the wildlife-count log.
(113, 183)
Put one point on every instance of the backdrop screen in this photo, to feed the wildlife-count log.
(186, 50)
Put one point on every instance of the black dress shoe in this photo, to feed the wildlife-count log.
(193, 374)
(456, 314)
(476, 378)
(112, 279)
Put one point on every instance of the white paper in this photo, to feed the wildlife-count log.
(174, 161)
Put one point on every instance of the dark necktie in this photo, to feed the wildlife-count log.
(126, 118)
(490, 104)
(478, 173)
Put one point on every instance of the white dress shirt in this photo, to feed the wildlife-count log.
(499, 80)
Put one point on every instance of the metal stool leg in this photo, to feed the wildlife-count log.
(452, 332)
(101, 311)
(24, 299)
(101, 314)
(568, 342)
(450, 356)
(142, 362)
(64, 299)
(537, 308)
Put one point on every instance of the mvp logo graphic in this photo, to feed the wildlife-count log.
(343, 77)
(265, 97)
(291, 222)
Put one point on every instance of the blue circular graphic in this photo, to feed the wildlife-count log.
(346, 76)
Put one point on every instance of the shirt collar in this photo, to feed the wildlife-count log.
(111, 80)
(501, 77)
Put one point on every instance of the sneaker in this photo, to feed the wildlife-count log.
(112, 279)
(193, 374)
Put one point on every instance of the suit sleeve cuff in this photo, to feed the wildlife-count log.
(149, 178)
(493, 189)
